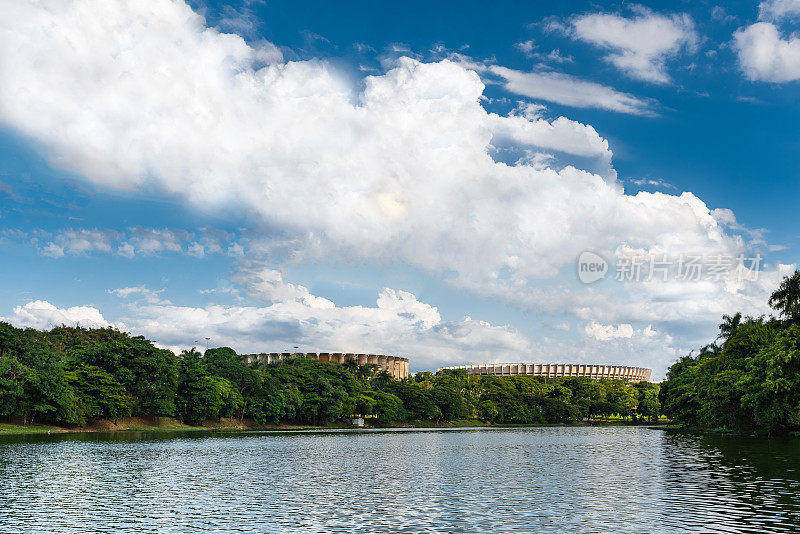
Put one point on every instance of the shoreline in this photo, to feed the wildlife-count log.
(168, 424)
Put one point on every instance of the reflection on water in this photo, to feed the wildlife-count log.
(510, 480)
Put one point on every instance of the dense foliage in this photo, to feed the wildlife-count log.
(748, 380)
(76, 376)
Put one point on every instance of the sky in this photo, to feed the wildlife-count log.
(451, 182)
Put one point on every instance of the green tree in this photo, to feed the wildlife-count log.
(225, 363)
(786, 299)
(729, 325)
(195, 391)
(773, 384)
(13, 376)
(98, 395)
(622, 396)
(388, 407)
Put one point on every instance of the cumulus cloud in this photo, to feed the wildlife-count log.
(268, 284)
(571, 91)
(765, 55)
(605, 332)
(639, 46)
(418, 182)
(41, 314)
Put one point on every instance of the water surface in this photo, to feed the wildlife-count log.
(573, 479)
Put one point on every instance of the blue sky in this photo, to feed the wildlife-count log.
(415, 179)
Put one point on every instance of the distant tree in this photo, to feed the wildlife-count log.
(97, 393)
(13, 376)
(225, 363)
(622, 397)
(649, 405)
(417, 400)
(388, 407)
(786, 299)
(381, 381)
(729, 325)
(772, 384)
(488, 411)
(192, 393)
(351, 365)
(368, 370)
(363, 405)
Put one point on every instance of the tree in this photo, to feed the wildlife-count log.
(416, 399)
(13, 376)
(192, 394)
(772, 385)
(225, 363)
(351, 365)
(649, 405)
(729, 325)
(148, 373)
(388, 407)
(363, 405)
(97, 393)
(622, 397)
(786, 299)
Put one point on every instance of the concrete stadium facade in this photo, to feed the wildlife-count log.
(622, 372)
(394, 365)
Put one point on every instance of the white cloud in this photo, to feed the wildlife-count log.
(560, 134)
(150, 295)
(605, 332)
(526, 47)
(652, 182)
(149, 241)
(79, 242)
(778, 9)
(554, 56)
(764, 55)
(52, 250)
(135, 242)
(41, 314)
(268, 284)
(571, 91)
(638, 46)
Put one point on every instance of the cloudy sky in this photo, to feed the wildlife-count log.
(415, 179)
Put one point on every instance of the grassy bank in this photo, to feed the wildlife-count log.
(141, 424)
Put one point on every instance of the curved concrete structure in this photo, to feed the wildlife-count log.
(394, 365)
(623, 372)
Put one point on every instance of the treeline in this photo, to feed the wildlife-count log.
(748, 379)
(74, 376)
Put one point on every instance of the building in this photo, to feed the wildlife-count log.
(623, 372)
(394, 365)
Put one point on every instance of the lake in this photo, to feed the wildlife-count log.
(554, 479)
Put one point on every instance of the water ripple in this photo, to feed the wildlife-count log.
(473, 481)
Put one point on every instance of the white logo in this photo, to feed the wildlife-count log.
(591, 267)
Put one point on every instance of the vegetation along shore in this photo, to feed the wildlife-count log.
(74, 377)
(748, 379)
